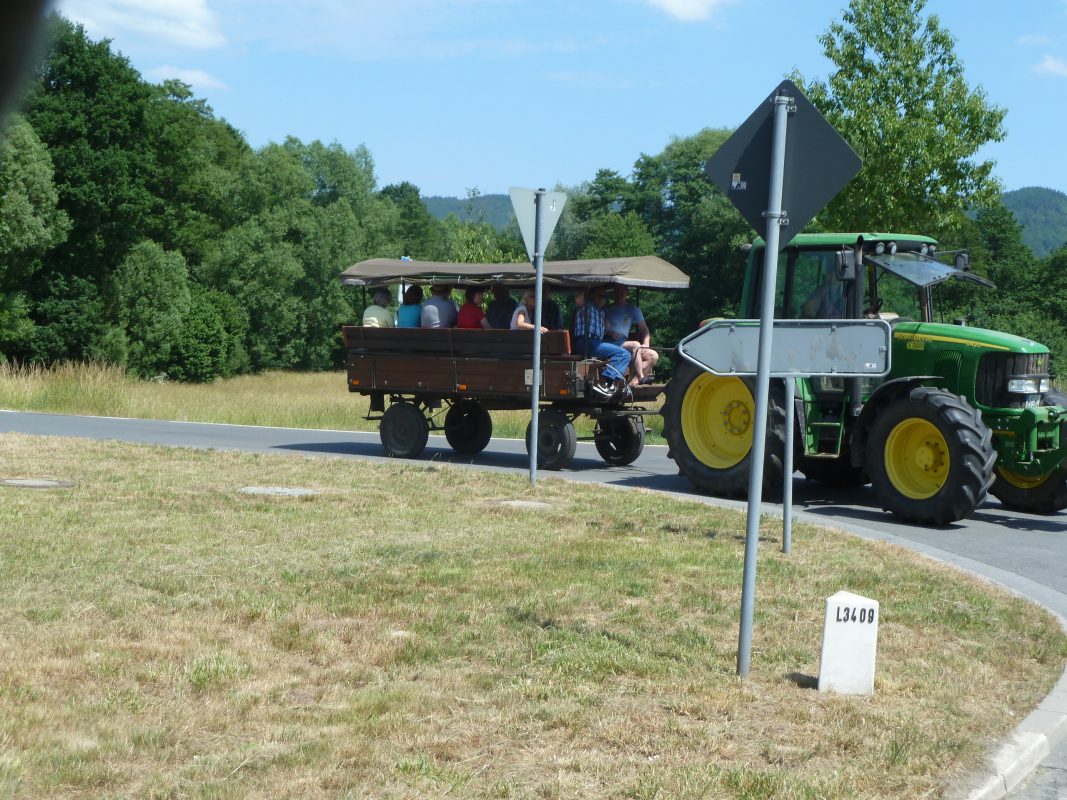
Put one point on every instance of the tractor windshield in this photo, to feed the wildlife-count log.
(921, 270)
(903, 281)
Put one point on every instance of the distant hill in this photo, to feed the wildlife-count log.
(1043, 215)
(492, 208)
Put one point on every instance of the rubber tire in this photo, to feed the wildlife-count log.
(970, 452)
(468, 427)
(1048, 497)
(620, 440)
(404, 430)
(729, 480)
(557, 439)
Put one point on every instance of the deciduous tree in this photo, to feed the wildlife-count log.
(898, 94)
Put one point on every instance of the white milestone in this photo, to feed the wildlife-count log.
(849, 644)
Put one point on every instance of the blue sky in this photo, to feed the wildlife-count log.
(459, 94)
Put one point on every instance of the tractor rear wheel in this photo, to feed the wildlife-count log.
(708, 423)
(930, 457)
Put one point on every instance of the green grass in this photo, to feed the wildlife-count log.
(407, 633)
(284, 399)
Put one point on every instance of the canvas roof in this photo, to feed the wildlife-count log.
(649, 272)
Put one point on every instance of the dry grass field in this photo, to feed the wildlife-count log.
(409, 631)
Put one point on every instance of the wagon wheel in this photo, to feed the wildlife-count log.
(620, 440)
(468, 427)
(404, 430)
(556, 439)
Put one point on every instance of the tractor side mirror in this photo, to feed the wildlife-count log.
(846, 265)
(963, 262)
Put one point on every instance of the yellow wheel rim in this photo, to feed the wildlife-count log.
(1021, 481)
(917, 458)
(717, 418)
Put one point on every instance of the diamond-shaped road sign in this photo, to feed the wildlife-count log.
(524, 203)
(818, 164)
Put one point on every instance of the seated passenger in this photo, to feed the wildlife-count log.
(525, 314)
(470, 313)
(551, 314)
(378, 315)
(440, 311)
(409, 315)
(500, 308)
(619, 318)
(589, 331)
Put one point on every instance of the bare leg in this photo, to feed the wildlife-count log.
(635, 361)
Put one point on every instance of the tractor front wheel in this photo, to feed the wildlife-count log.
(930, 457)
(1045, 494)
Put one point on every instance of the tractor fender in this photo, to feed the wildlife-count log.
(888, 392)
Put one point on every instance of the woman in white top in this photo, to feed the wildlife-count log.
(525, 313)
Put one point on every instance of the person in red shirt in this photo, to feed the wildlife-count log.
(471, 314)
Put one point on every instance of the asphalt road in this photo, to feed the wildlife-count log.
(1026, 552)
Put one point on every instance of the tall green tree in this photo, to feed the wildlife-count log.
(898, 94)
(153, 302)
(91, 109)
(30, 224)
(414, 230)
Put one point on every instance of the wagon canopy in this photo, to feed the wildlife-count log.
(646, 272)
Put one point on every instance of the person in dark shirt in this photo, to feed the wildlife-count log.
(501, 308)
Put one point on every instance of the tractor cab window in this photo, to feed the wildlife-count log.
(816, 293)
(806, 285)
(891, 297)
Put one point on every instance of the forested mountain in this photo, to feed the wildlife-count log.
(492, 208)
(1043, 215)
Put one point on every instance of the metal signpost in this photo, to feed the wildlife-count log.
(537, 213)
(805, 171)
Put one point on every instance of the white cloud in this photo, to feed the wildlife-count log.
(1052, 65)
(187, 23)
(1034, 40)
(196, 78)
(688, 10)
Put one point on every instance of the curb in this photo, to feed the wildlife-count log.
(1029, 744)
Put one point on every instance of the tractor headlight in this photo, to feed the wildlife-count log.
(1028, 385)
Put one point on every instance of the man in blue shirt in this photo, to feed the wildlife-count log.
(619, 318)
(589, 332)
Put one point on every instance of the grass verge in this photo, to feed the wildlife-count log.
(284, 399)
(407, 633)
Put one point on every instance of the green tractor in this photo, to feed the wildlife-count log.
(963, 412)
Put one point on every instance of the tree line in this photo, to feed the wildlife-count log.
(139, 229)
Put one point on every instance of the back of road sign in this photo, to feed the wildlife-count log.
(818, 164)
(844, 347)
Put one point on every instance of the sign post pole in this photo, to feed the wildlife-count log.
(537, 212)
(774, 217)
(539, 274)
(787, 463)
